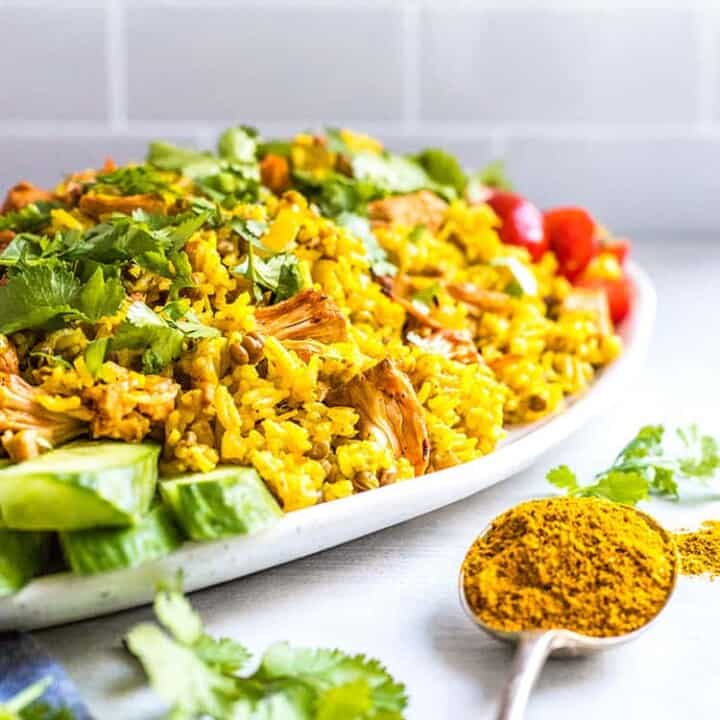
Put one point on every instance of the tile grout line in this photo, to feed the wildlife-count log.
(458, 131)
(116, 66)
(411, 65)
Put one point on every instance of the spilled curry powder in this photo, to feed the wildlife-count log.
(700, 549)
(582, 564)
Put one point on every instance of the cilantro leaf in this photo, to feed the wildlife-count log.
(37, 295)
(390, 173)
(94, 354)
(197, 675)
(280, 274)
(443, 168)
(563, 477)
(622, 487)
(100, 297)
(428, 296)
(377, 257)
(179, 676)
(231, 176)
(134, 180)
(191, 163)
(238, 144)
(704, 454)
(179, 315)
(31, 218)
(643, 467)
(493, 176)
(145, 330)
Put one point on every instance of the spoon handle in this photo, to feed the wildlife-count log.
(532, 651)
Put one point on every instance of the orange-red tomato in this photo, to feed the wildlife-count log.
(618, 292)
(522, 222)
(570, 232)
(619, 247)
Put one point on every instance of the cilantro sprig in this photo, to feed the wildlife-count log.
(230, 176)
(643, 467)
(198, 676)
(160, 337)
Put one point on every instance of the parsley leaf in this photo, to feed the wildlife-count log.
(197, 675)
(643, 467)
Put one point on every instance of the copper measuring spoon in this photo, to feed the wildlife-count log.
(535, 646)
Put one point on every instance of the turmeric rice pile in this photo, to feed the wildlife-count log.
(332, 314)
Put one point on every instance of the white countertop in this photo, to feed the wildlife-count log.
(393, 594)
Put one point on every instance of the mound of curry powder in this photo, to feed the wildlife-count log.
(582, 564)
(700, 550)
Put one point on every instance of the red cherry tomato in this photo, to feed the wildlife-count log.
(619, 247)
(522, 222)
(571, 234)
(618, 292)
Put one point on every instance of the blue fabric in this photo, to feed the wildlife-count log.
(23, 662)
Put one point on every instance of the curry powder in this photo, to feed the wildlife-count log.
(582, 564)
(700, 550)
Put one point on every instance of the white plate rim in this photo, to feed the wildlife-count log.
(61, 598)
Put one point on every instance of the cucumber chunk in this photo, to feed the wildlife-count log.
(82, 485)
(103, 549)
(226, 501)
(22, 556)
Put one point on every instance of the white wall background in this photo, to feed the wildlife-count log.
(614, 105)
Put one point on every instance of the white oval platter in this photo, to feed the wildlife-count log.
(61, 598)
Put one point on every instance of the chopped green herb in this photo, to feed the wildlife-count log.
(26, 705)
(133, 180)
(94, 355)
(196, 675)
(377, 257)
(250, 230)
(52, 361)
(31, 218)
(643, 468)
(280, 274)
(160, 336)
(143, 329)
(226, 178)
(100, 297)
(443, 168)
(428, 296)
(493, 176)
(37, 295)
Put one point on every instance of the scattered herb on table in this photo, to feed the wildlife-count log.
(644, 467)
(28, 705)
(197, 675)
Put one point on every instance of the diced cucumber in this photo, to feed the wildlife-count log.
(22, 556)
(79, 486)
(104, 549)
(226, 501)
